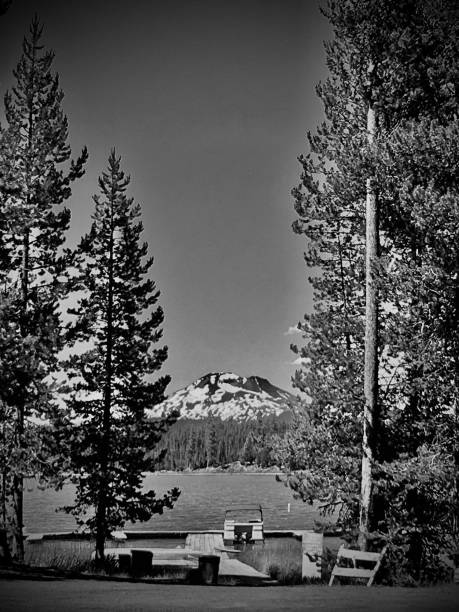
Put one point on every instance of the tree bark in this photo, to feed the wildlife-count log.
(101, 512)
(17, 494)
(343, 289)
(16, 514)
(370, 414)
(456, 415)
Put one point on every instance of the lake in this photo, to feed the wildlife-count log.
(201, 506)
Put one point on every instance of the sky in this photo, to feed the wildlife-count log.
(208, 102)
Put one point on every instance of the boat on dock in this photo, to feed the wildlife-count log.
(243, 524)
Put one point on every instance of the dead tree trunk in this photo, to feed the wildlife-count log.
(370, 414)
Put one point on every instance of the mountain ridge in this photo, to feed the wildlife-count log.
(228, 396)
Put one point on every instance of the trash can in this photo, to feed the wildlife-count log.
(5, 556)
(456, 567)
(124, 563)
(141, 562)
(208, 569)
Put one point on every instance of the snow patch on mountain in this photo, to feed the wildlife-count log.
(227, 396)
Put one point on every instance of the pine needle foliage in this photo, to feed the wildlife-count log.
(118, 314)
(402, 58)
(35, 181)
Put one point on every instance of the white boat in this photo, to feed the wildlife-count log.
(243, 524)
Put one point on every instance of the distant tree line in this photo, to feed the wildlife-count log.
(211, 442)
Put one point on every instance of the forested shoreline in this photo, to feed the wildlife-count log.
(192, 444)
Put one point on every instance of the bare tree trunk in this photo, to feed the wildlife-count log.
(370, 415)
(8, 516)
(16, 511)
(343, 288)
(456, 418)
(102, 507)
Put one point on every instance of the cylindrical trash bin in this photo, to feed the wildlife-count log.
(5, 557)
(208, 569)
(124, 563)
(141, 562)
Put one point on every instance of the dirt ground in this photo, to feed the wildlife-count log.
(77, 595)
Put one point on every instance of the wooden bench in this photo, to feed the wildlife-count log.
(354, 558)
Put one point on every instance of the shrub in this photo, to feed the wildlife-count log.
(418, 494)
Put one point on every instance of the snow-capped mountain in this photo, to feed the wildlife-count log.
(227, 396)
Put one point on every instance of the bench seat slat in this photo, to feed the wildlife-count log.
(352, 572)
(356, 572)
(359, 555)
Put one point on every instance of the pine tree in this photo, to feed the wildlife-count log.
(411, 50)
(211, 443)
(33, 186)
(118, 313)
(4, 6)
(191, 450)
(248, 451)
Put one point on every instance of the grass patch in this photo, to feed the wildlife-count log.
(69, 555)
(280, 558)
(74, 555)
(173, 574)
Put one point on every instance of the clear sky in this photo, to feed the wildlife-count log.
(208, 102)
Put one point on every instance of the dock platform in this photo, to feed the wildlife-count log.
(212, 544)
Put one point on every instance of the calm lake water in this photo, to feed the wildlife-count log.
(201, 505)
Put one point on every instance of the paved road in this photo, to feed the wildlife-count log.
(79, 595)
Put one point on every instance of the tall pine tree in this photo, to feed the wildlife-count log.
(118, 314)
(34, 184)
(401, 60)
